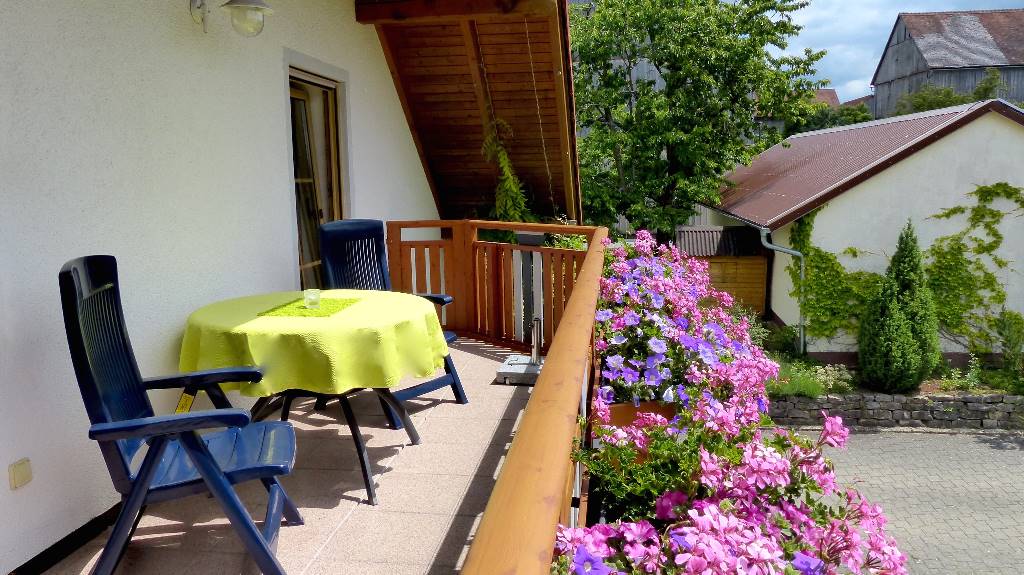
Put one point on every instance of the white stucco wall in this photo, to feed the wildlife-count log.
(871, 215)
(126, 130)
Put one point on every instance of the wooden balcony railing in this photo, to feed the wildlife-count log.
(498, 287)
(538, 482)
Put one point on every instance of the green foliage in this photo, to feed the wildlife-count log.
(890, 360)
(832, 296)
(824, 116)
(756, 329)
(932, 97)
(780, 338)
(567, 241)
(960, 266)
(806, 379)
(651, 151)
(1010, 329)
(915, 298)
(957, 380)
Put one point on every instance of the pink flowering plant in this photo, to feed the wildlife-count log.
(715, 489)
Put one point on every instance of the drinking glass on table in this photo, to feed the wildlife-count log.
(311, 298)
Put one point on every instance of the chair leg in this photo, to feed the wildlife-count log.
(321, 402)
(218, 398)
(394, 404)
(239, 517)
(291, 512)
(449, 368)
(131, 511)
(364, 459)
(393, 421)
(286, 406)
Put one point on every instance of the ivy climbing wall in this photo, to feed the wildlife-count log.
(851, 237)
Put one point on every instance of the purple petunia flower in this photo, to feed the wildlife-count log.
(614, 361)
(684, 398)
(657, 345)
(617, 339)
(630, 375)
(657, 300)
(604, 315)
(707, 353)
(653, 377)
(682, 322)
(761, 405)
(655, 360)
(630, 318)
(689, 342)
(808, 565)
(586, 563)
(606, 393)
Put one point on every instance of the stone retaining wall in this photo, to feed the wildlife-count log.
(883, 410)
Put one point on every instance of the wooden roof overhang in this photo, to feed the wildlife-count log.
(459, 64)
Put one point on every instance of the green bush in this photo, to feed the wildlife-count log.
(890, 359)
(806, 380)
(1010, 329)
(780, 338)
(957, 380)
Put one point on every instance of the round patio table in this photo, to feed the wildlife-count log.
(358, 339)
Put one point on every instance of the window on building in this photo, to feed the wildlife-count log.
(316, 155)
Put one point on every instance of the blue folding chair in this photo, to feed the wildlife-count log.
(179, 462)
(354, 257)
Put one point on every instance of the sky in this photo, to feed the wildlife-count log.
(854, 32)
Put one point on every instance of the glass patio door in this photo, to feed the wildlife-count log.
(317, 166)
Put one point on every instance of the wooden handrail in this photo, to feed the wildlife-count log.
(517, 531)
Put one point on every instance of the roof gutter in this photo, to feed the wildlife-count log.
(802, 343)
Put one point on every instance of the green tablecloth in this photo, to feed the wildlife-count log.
(372, 343)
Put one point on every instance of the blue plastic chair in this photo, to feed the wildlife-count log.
(179, 462)
(354, 257)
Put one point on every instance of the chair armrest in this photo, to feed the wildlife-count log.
(166, 424)
(441, 299)
(204, 379)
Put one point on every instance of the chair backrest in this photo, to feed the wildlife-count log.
(108, 375)
(354, 255)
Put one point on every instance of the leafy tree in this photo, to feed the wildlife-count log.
(668, 96)
(890, 360)
(915, 299)
(824, 116)
(932, 97)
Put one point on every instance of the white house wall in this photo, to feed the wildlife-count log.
(870, 216)
(124, 129)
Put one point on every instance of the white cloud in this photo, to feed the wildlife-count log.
(854, 33)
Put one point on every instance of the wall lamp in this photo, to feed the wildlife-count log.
(246, 15)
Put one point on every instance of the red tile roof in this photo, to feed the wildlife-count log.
(794, 177)
(827, 96)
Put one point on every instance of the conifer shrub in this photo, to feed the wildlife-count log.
(890, 358)
(915, 300)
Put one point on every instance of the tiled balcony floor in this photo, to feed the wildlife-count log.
(431, 495)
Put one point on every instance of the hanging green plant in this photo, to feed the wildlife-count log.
(509, 199)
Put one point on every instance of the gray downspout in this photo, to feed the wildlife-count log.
(800, 301)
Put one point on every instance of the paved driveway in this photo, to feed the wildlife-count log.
(955, 502)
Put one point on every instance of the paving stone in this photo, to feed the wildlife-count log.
(952, 499)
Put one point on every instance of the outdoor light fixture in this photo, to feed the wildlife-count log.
(246, 15)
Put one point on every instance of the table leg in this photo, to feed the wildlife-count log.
(357, 438)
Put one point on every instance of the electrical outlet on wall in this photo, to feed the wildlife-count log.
(20, 473)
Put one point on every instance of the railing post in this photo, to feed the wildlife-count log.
(394, 243)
